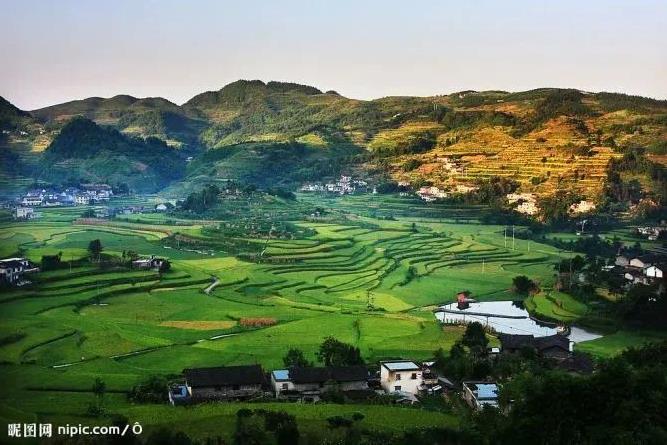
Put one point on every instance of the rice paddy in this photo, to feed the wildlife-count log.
(363, 277)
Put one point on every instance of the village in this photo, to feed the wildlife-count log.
(401, 381)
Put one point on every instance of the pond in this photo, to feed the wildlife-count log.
(507, 317)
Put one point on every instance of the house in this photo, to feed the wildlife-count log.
(308, 384)
(581, 207)
(480, 394)
(12, 270)
(161, 207)
(654, 271)
(81, 200)
(622, 260)
(32, 201)
(24, 213)
(178, 394)
(555, 346)
(225, 382)
(635, 276)
(511, 343)
(643, 261)
(401, 377)
(151, 262)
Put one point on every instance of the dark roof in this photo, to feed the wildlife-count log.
(647, 258)
(335, 373)
(552, 341)
(577, 363)
(225, 375)
(513, 341)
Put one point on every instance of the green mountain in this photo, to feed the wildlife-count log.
(284, 133)
(153, 116)
(86, 152)
(11, 118)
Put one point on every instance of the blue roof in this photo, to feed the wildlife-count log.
(487, 390)
(280, 374)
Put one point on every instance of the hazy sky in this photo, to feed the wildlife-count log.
(58, 50)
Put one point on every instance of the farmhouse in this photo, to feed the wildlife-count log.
(401, 377)
(654, 271)
(308, 384)
(225, 382)
(552, 346)
(151, 262)
(12, 270)
(480, 394)
(24, 213)
(643, 261)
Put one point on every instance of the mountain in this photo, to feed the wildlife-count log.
(86, 152)
(278, 133)
(152, 116)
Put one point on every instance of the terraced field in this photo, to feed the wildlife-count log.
(362, 277)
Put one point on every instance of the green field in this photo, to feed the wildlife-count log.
(369, 276)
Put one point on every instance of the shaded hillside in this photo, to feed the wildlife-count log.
(152, 116)
(86, 152)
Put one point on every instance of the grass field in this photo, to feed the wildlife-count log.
(369, 276)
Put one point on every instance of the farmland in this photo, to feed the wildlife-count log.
(368, 272)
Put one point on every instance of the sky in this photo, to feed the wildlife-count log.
(53, 51)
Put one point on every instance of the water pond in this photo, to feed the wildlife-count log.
(508, 317)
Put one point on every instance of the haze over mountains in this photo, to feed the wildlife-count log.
(279, 133)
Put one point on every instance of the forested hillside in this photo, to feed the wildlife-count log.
(545, 140)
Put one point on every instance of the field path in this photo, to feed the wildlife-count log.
(212, 286)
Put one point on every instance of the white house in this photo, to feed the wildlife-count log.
(280, 382)
(161, 207)
(24, 213)
(81, 200)
(32, 201)
(653, 272)
(12, 270)
(401, 377)
(480, 394)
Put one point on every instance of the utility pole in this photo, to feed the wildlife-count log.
(505, 235)
(512, 237)
(483, 265)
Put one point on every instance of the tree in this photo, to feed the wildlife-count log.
(296, 359)
(333, 352)
(95, 248)
(523, 285)
(475, 338)
(88, 213)
(99, 389)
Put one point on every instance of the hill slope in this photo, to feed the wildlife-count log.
(545, 139)
(86, 152)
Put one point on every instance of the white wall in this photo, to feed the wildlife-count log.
(390, 380)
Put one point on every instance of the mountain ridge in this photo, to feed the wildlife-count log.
(567, 137)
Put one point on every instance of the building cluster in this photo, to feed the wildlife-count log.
(651, 233)
(13, 271)
(431, 193)
(345, 185)
(525, 203)
(582, 207)
(404, 379)
(640, 269)
(52, 197)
